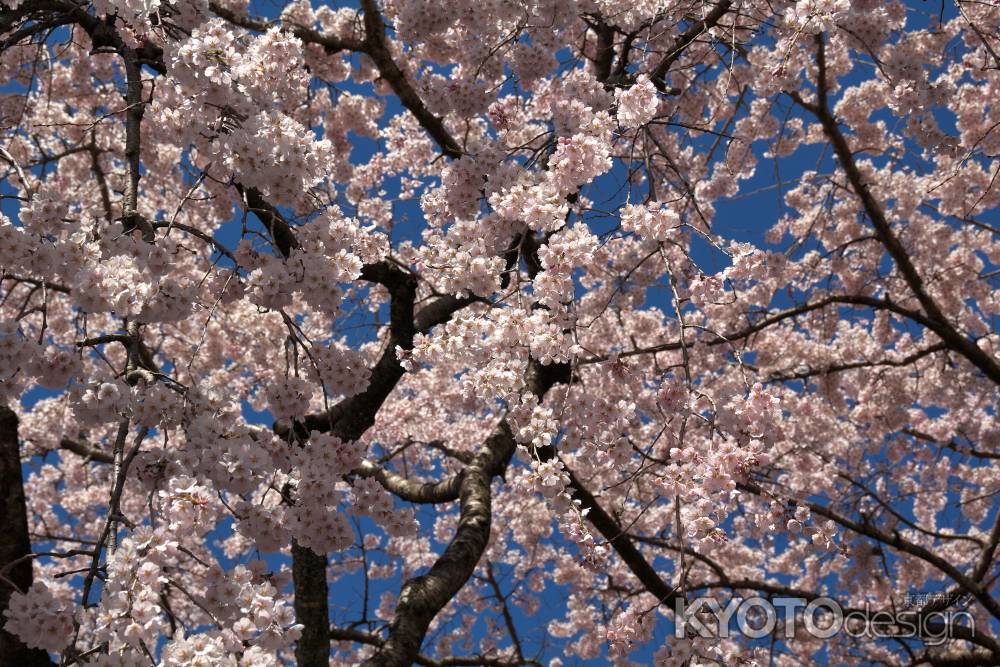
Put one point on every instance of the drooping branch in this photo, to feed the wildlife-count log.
(789, 313)
(896, 541)
(936, 320)
(371, 639)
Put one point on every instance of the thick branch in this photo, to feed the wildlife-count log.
(331, 43)
(377, 49)
(425, 493)
(359, 412)
(374, 45)
(685, 39)
(422, 597)
(386, 374)
(85, 451)
(280, 230)
(350, 418)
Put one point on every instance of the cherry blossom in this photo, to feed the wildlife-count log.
(418, 332)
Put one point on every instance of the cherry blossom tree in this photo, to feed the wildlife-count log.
(532, 391)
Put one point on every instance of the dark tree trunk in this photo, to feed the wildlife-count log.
(15, 544)
(311, 607)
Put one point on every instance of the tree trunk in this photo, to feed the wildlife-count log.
(15, 545)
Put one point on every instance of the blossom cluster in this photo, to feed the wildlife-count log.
(39, 619)
(638, 103)
(197, 281)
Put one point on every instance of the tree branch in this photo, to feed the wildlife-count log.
(894, 540)
(361, 637)
(685, 39)
(378, 51)
(331, 43)
(936, 319)
(86, 452)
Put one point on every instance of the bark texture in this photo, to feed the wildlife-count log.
(15, 547)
